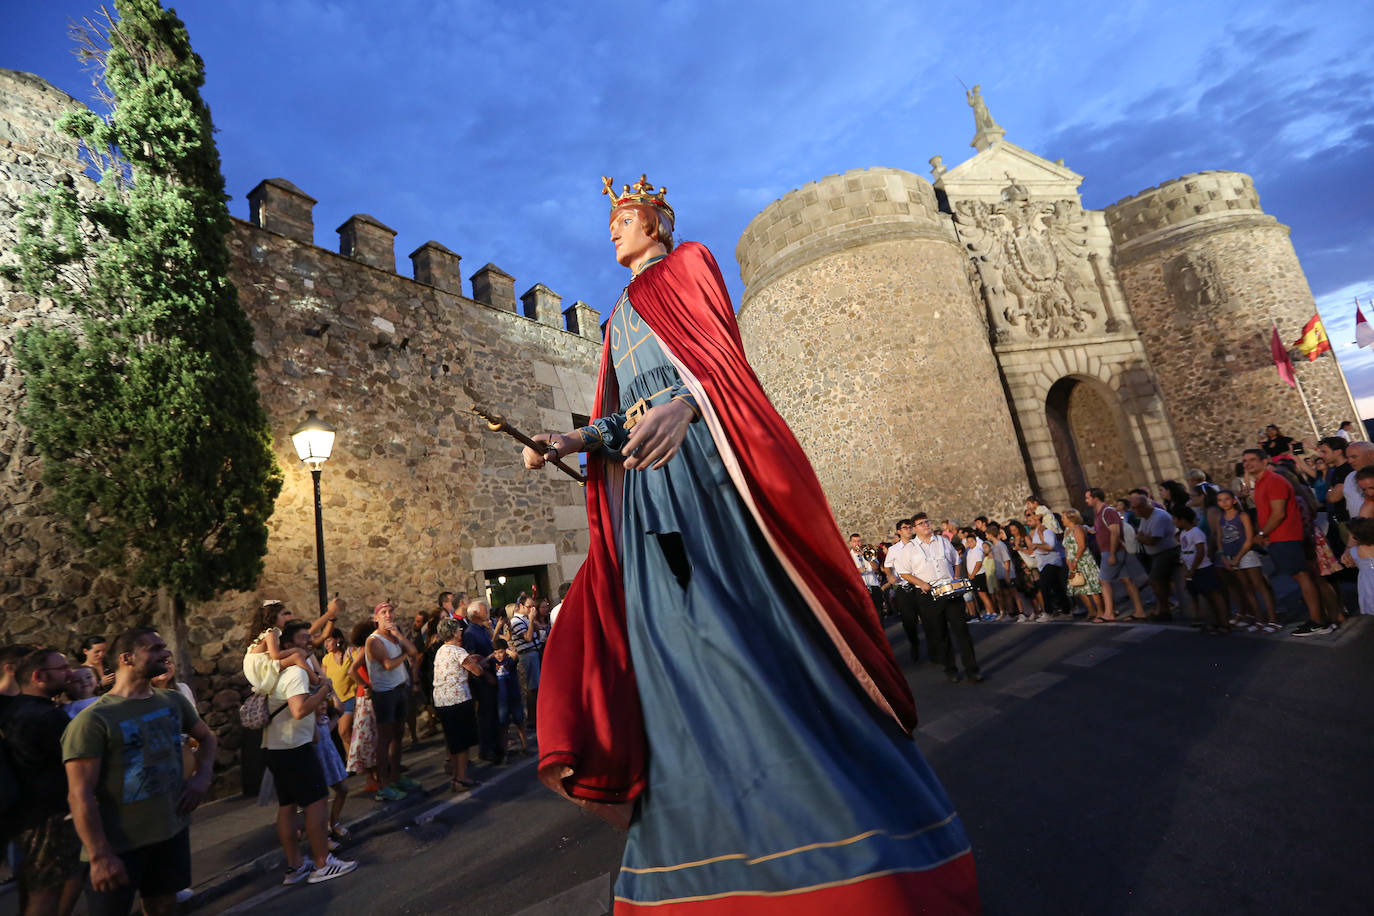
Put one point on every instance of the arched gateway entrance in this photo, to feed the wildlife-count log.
(1089, 432)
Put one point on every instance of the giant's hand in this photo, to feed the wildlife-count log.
(617, 815)
(536, 460)
(656, 438)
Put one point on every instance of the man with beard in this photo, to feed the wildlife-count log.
(129, 799)
(31, 728)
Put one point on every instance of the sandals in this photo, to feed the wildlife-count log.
(464, 785)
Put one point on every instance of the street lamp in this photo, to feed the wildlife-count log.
(314, 440)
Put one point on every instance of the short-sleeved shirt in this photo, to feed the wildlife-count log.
(285, 731)
(138, 741)
(1051, 522)
(1354, 499)
(1102, 530)
(1159, 525)
(33, 739)
(337, 672)
(477, 641)
(934, 563)
(973, 559)
(1271, 487)
(1053, 557)
(520, 633)
(450, 677)
(1188, 542)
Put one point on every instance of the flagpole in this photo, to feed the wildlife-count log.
(1359, 420)
(1297, 383)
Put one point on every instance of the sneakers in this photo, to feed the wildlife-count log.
(390, 793)
(1042, 617)
(1308, 628)
(331, 869)
(406, 784)
(1022, 618)
(300, 873)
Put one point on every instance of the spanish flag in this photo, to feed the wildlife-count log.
(1313, 342)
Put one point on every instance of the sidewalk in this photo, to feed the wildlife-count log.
(234, 840)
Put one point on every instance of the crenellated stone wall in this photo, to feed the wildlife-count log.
(418, 496)
(1205, 270)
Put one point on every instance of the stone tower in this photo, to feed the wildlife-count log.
(1205, 270)
(860, 322)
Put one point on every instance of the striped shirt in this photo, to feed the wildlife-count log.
(520, 633)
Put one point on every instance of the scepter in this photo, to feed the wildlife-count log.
(498, 424)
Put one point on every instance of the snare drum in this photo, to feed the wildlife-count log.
(954, 588)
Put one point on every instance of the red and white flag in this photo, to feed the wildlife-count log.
(1364, 332)
(1282, 361)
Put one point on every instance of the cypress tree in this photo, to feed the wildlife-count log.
(156, 449)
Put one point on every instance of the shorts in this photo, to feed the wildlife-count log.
(1163, 564)
(156, 870)
(980, 583)
(1251, 560)
(349, 705)
(1204, 582)
(1288, 556)
(460, 725)
(529, 669)
(390, 705)
(1129, 569)
(51, 854)
(297, 773)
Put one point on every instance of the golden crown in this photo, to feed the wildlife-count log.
(641, 192)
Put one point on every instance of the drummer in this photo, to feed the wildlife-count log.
(928, 563)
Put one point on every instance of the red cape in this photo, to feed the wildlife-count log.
(589, 714)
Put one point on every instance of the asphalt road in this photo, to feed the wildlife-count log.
(1100, 769)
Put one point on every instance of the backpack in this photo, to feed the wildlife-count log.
(253, 711)
(1128, 538)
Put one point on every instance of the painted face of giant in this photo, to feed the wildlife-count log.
(629, 234)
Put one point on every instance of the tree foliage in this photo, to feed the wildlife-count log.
(156, 448)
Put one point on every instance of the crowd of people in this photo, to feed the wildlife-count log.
(98, 789)
(1302, 510)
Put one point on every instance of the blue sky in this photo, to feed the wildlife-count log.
(487, 126)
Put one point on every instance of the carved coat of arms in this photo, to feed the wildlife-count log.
(1194, 280)
(1030, 257)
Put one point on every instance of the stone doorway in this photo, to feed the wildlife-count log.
(1085, 421)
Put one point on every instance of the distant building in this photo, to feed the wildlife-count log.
(958, 344)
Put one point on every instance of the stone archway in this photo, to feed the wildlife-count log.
(1087, 428)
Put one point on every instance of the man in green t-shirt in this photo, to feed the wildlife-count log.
(129, 800)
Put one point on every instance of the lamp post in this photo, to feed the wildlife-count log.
(314, 440)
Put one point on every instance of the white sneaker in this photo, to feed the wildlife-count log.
(1043, 617)
(1022, 618)
(300, 873)
(331, 869)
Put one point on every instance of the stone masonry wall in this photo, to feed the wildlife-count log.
(866, 336)
(417, 493)
(1202, 290)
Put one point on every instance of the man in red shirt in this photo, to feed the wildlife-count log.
(1280, 530)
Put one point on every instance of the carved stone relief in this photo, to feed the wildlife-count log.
(1032, 263)
(1194, 281)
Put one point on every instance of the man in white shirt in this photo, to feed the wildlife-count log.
(868, 571)
(903, 592)
(1160, 539)
(1360, 455)
(927, 562)
(288, 739)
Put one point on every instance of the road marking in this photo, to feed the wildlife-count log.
(1032, 684)
(949, 727)
(1091, 657)
(590, 898)
(1137, 632)
(429, 815)
(258, 900)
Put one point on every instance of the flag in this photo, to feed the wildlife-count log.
(1364, 333)
(1313, 342)
(1281, 360)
